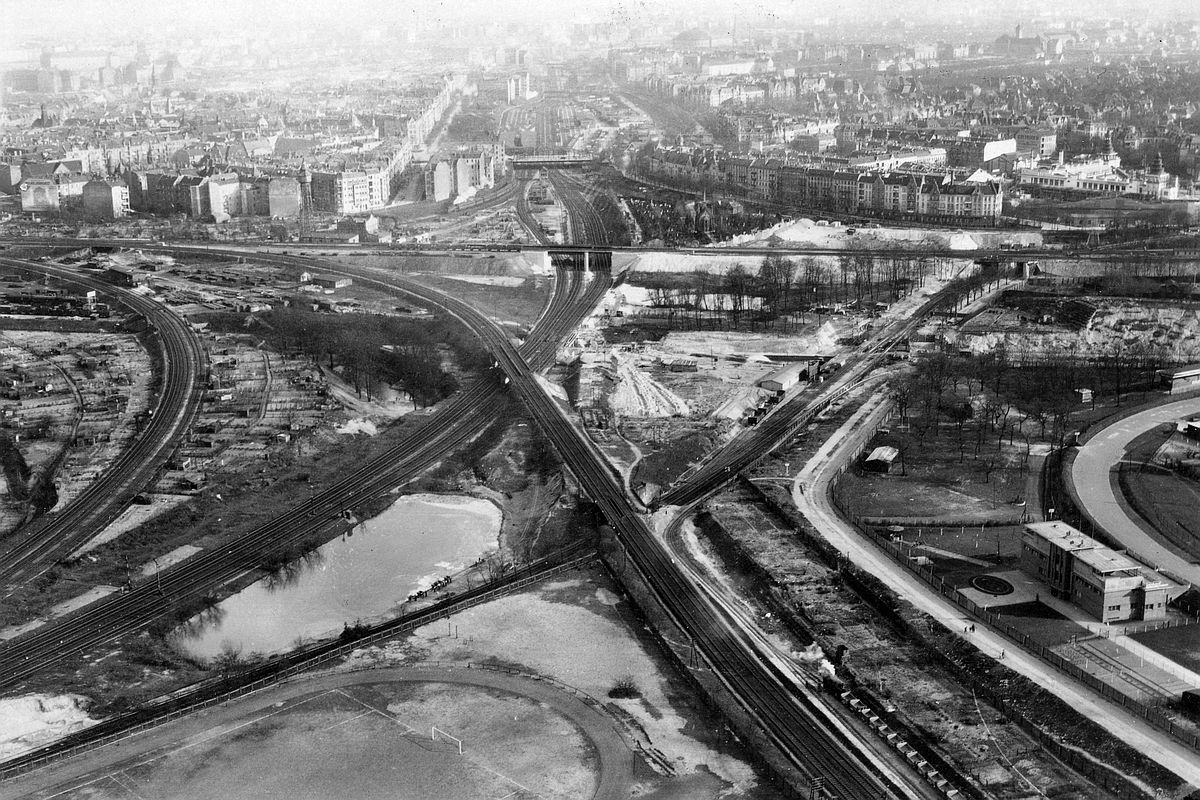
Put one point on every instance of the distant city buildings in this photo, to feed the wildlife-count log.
(880, 188)
(213, 170)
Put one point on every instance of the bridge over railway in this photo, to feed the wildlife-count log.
(588, 259)
(530, 163)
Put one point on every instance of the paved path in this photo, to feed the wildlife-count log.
(1094, 480)
(613, 754)
(815, 503)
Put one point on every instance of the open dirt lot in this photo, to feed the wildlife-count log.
(370, 740)
(1180, 643)
(935, 484)
(578, 631)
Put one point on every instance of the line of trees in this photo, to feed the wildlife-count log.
(782, 288)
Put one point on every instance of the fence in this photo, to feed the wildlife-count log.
(202, 696)
(1111, 778)
(903, 556)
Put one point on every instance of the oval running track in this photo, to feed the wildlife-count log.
(614, 755)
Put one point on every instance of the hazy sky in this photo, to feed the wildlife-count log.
(47, 17)
(80, 20)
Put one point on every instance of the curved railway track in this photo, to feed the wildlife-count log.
(453, 424)
(33, 549)
(752, 676)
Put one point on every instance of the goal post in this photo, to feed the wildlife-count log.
(435, 731)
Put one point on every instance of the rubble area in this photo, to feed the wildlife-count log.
(33, 720)
(636, 394)
(1169, 332)
(821, 233)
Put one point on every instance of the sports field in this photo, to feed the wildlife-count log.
(365, 741)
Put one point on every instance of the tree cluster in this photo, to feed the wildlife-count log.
(996, 396)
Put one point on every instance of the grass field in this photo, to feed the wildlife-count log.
(1043, 624)
(369, 741)
(1180, 644)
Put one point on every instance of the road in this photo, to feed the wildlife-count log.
(755, 678)
(455, 422)
(708, 252)
(722, 589)
(814, 502)
(34, 548)
(1094, 478)
(763, 685)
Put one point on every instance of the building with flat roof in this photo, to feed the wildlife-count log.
(1180, 379)
(1109, 585)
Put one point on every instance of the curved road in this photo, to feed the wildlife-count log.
(1093, 475)
(614, 755)
(811, 492)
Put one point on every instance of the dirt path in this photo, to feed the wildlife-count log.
(613, 754)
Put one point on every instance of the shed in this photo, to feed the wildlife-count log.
(330, 281)
(1180, 379)
(881, 459)
(786, 377)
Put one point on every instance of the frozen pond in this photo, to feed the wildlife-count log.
(363, 576)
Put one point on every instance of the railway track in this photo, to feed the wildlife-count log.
(525, 215)
(265, 248)
(452, 425)
(587, 227)
(35, 548)
(793, 416)
(759, 683)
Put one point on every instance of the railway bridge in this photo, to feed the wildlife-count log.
(583, 259)
(526, 164)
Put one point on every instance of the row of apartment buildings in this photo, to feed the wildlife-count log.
(167, 174)
(337, 187)
(450, 175)
(883, 189)
(99, 198)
